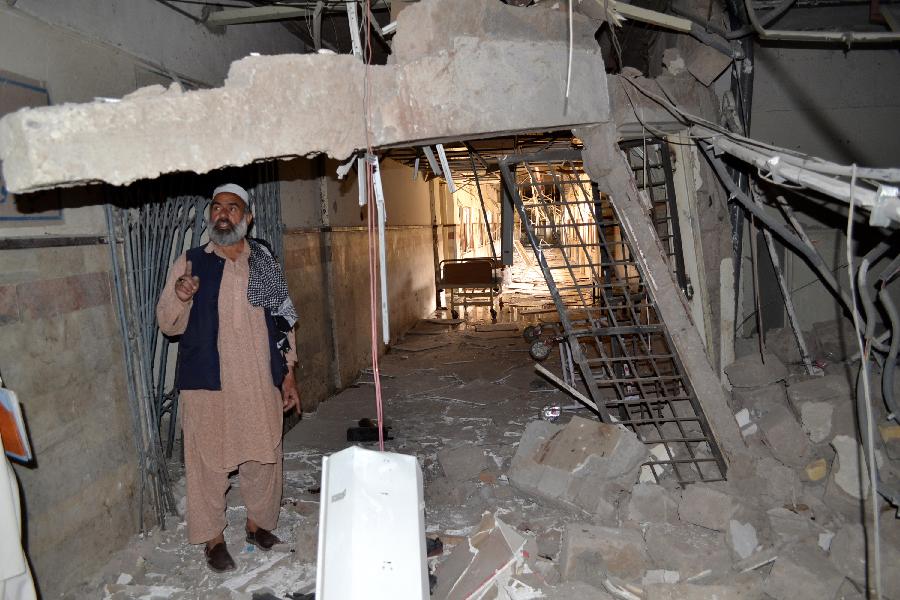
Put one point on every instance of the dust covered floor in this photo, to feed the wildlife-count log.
(464, 399)
(444, 386)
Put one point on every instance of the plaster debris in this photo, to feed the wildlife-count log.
(742, 537)
(847, 473)
(492, 556)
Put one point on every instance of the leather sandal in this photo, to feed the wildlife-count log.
(262, 538)
(218, 559)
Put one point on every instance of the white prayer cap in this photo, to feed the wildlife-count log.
(233, 188)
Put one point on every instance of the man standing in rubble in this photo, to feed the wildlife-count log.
(228, 300)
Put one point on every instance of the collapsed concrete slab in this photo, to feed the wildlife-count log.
(465, 68)
(584, 464)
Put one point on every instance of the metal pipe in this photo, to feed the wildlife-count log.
(810, 253)
(846, 38)
(487, 224)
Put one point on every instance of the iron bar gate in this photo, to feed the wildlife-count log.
(155, 222)
(621, 348)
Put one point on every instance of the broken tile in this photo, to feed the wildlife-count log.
(706, 63)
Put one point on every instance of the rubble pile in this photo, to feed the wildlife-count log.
(788, 524)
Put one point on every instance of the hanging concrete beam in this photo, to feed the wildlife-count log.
(256, 14)
(459, 69)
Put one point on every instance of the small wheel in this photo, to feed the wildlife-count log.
(454, 314)
(539, 351)
(531, 333)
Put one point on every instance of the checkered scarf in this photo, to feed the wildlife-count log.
(268, 289)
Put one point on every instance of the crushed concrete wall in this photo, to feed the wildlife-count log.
(289, 105)
(61, 353)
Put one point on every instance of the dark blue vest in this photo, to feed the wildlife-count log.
(198, 350)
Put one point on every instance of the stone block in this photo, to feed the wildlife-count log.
(652, 503)
(785, 437)
(802, 572)
(751, 372)
(583, 464)
(463, 463)
(688, 549)
(619, 552)
(704, 505)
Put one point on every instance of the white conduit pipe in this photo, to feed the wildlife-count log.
(769, 162)
(844, 37)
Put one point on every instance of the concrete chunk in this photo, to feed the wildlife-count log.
(802, 572)
(589, 552)
(583, 464)
(750, 371)
(785, 437)
(816, 420)
(690, 591)
(706, 506)
(652, 503)
(688, 549)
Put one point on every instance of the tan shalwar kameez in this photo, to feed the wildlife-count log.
(238, 427)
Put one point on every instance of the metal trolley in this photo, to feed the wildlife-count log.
(471, 282)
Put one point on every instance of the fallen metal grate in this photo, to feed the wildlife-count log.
(621, 349)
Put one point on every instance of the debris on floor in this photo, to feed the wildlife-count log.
(525, 508)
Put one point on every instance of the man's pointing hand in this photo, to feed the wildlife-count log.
(187, 285)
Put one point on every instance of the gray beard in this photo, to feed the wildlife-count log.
(229, 237)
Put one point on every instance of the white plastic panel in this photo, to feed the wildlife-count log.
(371, 527)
